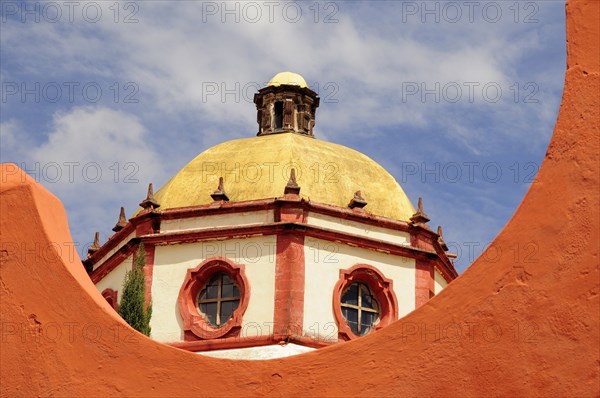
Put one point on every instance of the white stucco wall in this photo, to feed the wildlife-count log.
(114, 279)
(114, 250)
(263, 352)
(440, 282)
(324, 260)
(357, 228)
(172, 262)
(219, 220)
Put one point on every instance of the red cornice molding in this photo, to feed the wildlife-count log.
(359, 216)
(424, 242)
(275, 203)
(221, 207)
(246, 231)
(113, 241)
(115, 260)
(215, 208)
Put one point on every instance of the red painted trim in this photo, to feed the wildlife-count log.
(277, 203)
(110, 244)
(149, 272)
(289, 285)
(114, 261)
(424, 243)
(224, 343)
(444, 265)
(380, 286)
(111, 296)
(424, 282)
(170, 238)
(220, 207)
(194, 324)
(366, 243)
(147, 223)
(245, 342)
(310, 342)
(361, 217)
(290, 213)
(141, 220)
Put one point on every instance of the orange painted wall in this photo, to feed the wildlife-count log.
(518, 326)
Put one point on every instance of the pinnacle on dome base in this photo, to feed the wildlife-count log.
(441, 238)
(150, 202)
(420, 219)
(219, 194)
(95, 246)
(121, 222)
(357, 201)
(292, 187)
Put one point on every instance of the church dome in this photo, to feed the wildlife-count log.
(288, 78)
(259, 168)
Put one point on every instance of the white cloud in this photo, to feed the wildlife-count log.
(94, 159)
(172, 54)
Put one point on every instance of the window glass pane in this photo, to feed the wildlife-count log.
(212, 291)
(350, 296)
(210, 311)
(351, 316)
(236, 291)
(202, 294)
(226, 279)
(227, 308)
(227, 290)
(367, 300)
(367, 321)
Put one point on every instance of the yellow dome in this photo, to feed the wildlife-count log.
(287, 78)
(259, 168)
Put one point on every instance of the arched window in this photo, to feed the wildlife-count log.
(278, 115)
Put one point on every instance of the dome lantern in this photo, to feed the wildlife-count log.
(286, 105)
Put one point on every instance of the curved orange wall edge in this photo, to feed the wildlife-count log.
(522, 325)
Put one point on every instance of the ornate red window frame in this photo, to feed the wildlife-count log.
(194, 324)
(382, 289)
(111, 297)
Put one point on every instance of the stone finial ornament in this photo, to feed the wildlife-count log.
(150, 202)
(420, 218)
(121, 222)
(95, 246)
(292, 186)
(220, 194)
(357, 201)
(441, 238)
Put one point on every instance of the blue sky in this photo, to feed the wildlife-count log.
(457, 100)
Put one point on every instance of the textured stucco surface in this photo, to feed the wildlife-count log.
(525, 326)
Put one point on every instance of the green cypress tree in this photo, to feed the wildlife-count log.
(132, 307)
